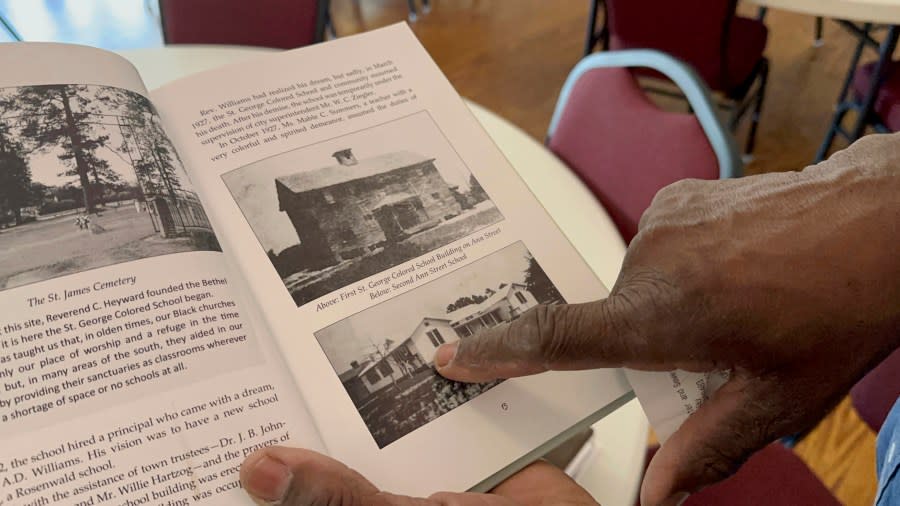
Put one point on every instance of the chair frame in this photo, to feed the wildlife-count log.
(593, 37)
(323, 22)
(694, 89)
(737, 106)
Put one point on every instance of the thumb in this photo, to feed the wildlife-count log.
(295, 477)
(712, 443)
(603, 333)
(291, 476)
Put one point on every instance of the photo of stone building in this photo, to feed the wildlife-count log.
(343, 210)
(336, 212)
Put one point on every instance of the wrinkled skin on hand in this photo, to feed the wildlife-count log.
(790, 280)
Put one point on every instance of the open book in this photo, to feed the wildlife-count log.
(266, 253)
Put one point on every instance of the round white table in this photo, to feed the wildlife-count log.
(612, 462)
(863, 11)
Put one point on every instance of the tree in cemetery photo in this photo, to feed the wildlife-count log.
(15, 176)
(159, 168)
(51, 119)
(78, 160)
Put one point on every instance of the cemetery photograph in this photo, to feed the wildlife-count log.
(88, 178)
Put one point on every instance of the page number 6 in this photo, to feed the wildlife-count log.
(504, 406)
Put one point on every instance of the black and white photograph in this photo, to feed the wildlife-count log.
(88, 178)
(338, 211)
(384, 355)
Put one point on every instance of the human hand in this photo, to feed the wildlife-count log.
(295, 477)
(789, 280)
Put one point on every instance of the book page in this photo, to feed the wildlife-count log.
(130, 371)
(374, 220)
(668, 398)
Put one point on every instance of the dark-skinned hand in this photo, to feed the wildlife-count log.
(789, 280)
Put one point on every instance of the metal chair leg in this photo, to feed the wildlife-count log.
(820, 27)
(413, 12)
(757, 108)
(329, 25)
(590, 41)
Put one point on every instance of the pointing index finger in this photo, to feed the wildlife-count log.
(547, 337)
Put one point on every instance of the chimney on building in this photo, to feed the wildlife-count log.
(354, 364)
(345, 157)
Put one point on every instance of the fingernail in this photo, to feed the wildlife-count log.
(269, 480)
(445, 354)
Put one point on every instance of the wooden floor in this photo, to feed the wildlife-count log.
(512, 56)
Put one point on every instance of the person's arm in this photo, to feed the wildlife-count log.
(790, 280)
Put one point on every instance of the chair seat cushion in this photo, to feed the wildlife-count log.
(887, 105)
(774, 476)
(625, 148)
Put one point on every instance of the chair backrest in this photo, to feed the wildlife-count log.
(694, 31)
(623, 146)
(270, 23)
(875, 394)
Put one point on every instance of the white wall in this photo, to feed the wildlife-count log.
(421, 342)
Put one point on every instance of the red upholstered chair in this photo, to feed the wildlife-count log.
(887, 104)
(875, 394)
(270, 23)
(725, 49)
(774, 476)
(623, 146)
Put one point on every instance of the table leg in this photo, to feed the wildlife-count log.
(820, 28)
(886, 49)
(854, 62)
(885, 52)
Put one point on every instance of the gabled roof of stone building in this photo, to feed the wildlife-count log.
(337, 173)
